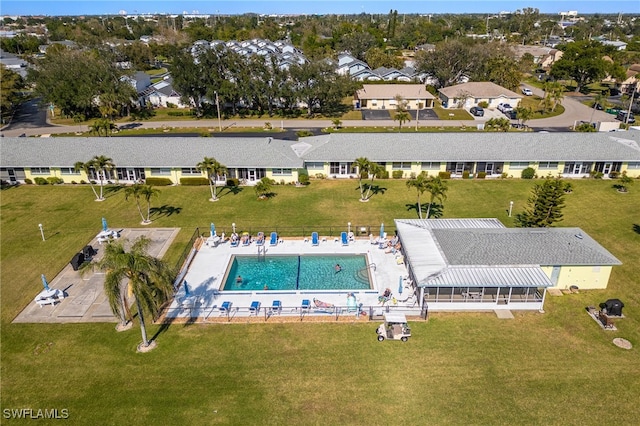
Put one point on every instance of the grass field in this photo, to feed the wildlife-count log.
(459, 368)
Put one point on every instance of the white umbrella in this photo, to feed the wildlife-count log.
(381, 230)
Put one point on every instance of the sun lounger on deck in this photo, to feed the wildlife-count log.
(274, 239)
(345, 239)
(314, 239)
(225, 308)
(254, 308)
(276, 307)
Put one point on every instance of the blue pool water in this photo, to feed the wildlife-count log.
(310, 272)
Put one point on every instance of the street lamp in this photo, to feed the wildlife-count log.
(510, 207)
(233, 226)
(41, 231)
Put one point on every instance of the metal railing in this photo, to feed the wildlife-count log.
(330, 231)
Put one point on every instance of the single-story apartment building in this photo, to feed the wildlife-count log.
(384, 96)
(572, 155)
(468, 94)
(479, 264)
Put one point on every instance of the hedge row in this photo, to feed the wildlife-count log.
(158, 181)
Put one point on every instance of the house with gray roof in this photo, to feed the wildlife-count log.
(492, 155)
(469, 94)
(479, 264)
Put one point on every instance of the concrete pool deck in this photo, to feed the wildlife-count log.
(208, 267)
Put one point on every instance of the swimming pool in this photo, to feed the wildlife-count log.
(309, 272)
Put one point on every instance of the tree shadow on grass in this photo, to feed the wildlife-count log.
(267, 196)
(636, 228)
(110, 190)
(165, 210)
(437, 210)
(229, 190)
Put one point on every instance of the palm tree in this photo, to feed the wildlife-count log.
(437, 189)
(362, 164)
(420, 184)
(87, 168)
(213, 169)
(138, 191)
(401, 116)
(373, 170)
(102, 164)
(524, 114)
(147, 278)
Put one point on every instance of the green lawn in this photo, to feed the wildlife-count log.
(459, 368)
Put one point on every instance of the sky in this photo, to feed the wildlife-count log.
(229, 7)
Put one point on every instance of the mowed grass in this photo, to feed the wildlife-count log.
(459, 368)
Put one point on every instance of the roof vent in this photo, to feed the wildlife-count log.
(579, 236)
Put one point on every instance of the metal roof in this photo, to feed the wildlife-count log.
(482, 252)
(149, 151)
(456, 276)
(476, 146)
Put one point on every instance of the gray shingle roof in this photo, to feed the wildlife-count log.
(476, 147)
(149, 152)
(535, 246)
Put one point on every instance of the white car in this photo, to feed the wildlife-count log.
(527, 92)
(504, 107)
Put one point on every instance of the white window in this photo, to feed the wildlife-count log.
(69, 171)
(402, 165)
(40, 170)
(315, 166)
(634, 165)
(519, 164)
(281, 172)
(430, 165)
(553, 165)
(190, 171)
(161, 171)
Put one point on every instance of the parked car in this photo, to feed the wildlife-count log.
(527, 92)
(504, 107)
(511, 114)
(625, 117)
(477, 111)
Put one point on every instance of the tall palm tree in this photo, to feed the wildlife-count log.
(139, 191)
(102, 164)
(420, 184)
(362, 164)
(437, 189)
(87, 168)
(401, 116)
(213, 169)
(263, 187)
(374, 170)
(147, 278)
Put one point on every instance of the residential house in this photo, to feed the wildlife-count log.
(161, 94)
(466, 95)
(384, 96)
(543, 57)
(632, 81)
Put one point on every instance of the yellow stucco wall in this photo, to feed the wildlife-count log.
(585, 277)
(634, 173)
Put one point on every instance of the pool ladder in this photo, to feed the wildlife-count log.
(262, 252)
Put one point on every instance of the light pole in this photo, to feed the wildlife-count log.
(41, 231)
(510, 207)
(218, 108)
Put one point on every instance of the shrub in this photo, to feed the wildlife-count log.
(28, 181)
(304, 133)
(170, 105)
(465, 174)
(483, 104)
(194, 181)
(54, 180)
(397, 174)
(503, 175)
(73, 182)
(614, 175)
(232, 182)
(83, 182)
(40, 181)
(482, 175)
(444, 175)
(303, 179)
(528, 173)
(158, 181)
(267, 126)
(382, 174)
(596, 175)
(322, 176)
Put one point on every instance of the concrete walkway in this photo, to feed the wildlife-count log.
(85, 300)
